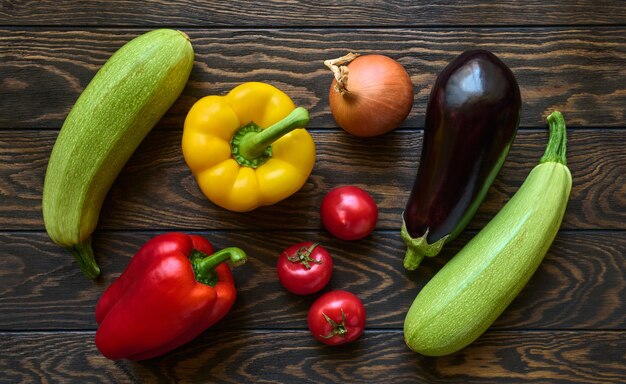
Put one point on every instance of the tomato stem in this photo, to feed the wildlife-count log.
(303, 255)
(338, 329)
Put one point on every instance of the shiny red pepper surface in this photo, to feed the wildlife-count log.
(172, 290)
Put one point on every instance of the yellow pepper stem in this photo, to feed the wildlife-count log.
(251, 146)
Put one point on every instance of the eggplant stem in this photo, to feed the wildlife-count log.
(341, 71)
(418, 248)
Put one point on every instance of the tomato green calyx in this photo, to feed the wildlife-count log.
(204, 265)
(338, 329)
(303, 255)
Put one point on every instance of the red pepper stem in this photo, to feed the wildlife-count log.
(204, 266)
(254, 144)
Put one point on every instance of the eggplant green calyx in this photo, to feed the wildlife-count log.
(418, 248)
(204, 266)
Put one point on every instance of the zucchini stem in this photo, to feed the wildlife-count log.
(556, 149)
(85, 258)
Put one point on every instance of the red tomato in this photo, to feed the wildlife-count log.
(337, 317)
(304, 268)
(349, 213)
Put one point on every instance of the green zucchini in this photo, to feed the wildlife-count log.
(467, 295)
(117, 109)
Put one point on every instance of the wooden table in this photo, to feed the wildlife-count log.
(569, 323)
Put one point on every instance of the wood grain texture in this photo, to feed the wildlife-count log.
(294, 356)
(568, 325)
(156, 190)
(580, 285)
(325, 13)
(579, 71)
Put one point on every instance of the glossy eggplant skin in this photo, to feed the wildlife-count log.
(471, 120)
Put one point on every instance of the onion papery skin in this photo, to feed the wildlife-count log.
(379, 96)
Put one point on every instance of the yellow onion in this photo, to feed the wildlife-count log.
(370, 94)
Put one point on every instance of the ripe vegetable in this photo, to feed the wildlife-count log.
(249, 148)
(304, 268)
(471, 120)
(371, 95)
(118, 108)
(467, 295)
(173, 289)
(349, 213)
(337, 317)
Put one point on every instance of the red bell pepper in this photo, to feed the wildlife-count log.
(170, 292)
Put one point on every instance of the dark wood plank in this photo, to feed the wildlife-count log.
(580, 285)
(269, 357)
(580, 71)
(567, 326)
(320, 13)
(157, 191)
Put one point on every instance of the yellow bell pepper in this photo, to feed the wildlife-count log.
(248, 148)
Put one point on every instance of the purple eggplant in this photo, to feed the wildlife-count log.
(471, 120)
